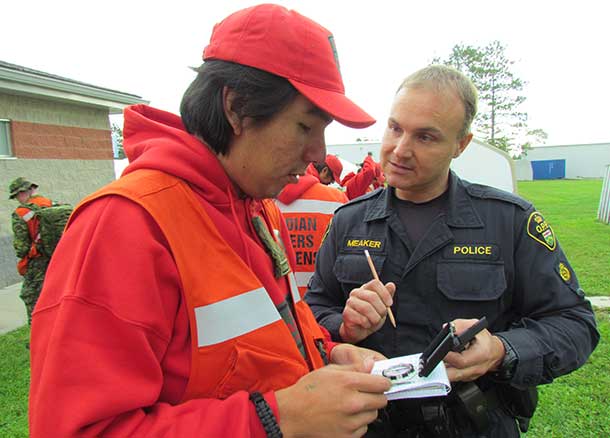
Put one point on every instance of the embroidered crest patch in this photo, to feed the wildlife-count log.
(564, 272)
(539, 230)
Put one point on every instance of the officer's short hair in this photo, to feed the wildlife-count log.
(443, 77)
(259, 95)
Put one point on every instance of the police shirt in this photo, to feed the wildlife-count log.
(491, 254)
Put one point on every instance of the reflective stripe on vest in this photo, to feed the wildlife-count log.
(26, 217)
(226, 319)
(309, 206)
(302, 278)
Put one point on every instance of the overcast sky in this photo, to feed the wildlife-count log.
(562, 49)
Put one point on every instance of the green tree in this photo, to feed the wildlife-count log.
(499, 120)
(117, 137)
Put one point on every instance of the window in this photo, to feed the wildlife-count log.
(5, 138)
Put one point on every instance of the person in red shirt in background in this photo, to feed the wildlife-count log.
(170, 308)
(369, 177)
(308, 207)
(326, 172)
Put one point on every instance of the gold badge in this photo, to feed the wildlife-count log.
(564, 272)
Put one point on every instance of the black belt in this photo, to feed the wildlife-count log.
(466, 408)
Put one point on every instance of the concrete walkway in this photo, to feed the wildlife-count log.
(12, 310)
(602, 302)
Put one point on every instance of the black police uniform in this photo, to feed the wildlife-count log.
(491, 254)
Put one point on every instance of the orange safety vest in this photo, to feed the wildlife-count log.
(307, 219)
(239, 340)
(29, 217)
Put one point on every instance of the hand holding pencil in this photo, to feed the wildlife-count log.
(376, 277)
(366, 309)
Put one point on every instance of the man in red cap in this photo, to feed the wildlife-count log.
(171, 307)
(308, 208)
(328, 171)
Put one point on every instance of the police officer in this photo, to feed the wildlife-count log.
(448, 250)
(32, 263)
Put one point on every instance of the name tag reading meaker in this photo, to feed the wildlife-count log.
(359, 244)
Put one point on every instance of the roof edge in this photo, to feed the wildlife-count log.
(33, 80)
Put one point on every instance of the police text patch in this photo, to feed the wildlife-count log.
(539, 230)
(476, 251)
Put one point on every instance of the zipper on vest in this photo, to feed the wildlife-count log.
(320, 345)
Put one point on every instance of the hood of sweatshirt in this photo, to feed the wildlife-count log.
(292, 192)
(155, 139)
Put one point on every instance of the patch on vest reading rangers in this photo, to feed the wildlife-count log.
(360, 244)
(564, 272)
(539, 230)
(476, 251)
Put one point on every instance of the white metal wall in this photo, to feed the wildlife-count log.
(523, 169)
(582, 160)
(603, 212)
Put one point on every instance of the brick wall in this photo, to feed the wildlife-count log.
(42, 141)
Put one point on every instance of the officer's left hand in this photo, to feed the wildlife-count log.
(484, 354)
(347, 354)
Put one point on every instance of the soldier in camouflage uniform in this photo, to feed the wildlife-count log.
(32, 263)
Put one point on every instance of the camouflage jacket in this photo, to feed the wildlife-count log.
(22, 240)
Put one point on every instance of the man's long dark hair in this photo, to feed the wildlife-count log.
(259, 96)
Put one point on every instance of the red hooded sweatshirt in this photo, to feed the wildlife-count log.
(110, 347)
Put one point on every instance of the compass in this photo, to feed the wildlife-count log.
(399, 372)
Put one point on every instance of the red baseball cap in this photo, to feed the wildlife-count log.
(335, 166)
(283, 42)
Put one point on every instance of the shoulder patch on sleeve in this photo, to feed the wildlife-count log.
(564, 272)
(540, 230)
(487, 192)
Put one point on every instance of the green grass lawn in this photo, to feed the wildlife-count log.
(14, 383)
(570, 206)
(577, 405)
(573, 406)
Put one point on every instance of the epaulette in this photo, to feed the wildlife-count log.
(487, 192)
(362, 198)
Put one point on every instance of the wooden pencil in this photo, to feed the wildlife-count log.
(376, 277)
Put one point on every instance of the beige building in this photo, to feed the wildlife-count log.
(54, 131)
